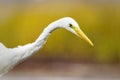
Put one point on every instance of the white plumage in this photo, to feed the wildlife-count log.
(9, 57)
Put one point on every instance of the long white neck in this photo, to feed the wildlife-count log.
(46, 32)
(23, 52)
(32, 48)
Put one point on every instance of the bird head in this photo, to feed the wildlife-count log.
(72, 26)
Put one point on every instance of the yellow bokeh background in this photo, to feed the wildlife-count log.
(22, 22)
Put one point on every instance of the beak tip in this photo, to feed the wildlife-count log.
(83, 36)
(92, 45)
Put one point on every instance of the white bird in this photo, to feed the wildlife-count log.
(10, 57)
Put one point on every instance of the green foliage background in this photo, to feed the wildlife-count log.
(21, 22)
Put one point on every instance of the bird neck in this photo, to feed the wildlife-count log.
(41, 40)
(32, 48)
(44, 35)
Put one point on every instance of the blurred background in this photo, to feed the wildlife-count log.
(22, 21)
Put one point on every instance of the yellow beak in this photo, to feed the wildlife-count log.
(83, 36)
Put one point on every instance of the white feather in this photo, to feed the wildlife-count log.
(9, 57)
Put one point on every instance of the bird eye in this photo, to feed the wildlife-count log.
(70, 25)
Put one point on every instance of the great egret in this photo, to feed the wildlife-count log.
(9, 57)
